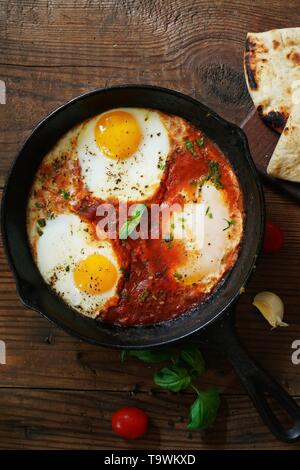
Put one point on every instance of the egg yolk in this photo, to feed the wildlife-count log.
(95, 274)
(118, 134)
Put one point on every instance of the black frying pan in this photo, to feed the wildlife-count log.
(213, 317)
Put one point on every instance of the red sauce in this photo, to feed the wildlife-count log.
(151, 293)
(148, 291)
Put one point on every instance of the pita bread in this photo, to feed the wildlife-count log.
(271, 64)
(285, 161)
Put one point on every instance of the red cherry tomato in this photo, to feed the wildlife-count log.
(273, 240)
(129, 422)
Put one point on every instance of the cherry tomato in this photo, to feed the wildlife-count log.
(273, 240)
(129, 422)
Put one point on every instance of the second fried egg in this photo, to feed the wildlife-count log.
(82, 270)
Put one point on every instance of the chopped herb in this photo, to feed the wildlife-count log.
(214, 174)
(50, 215)
(168, 240)
(125, 272)
(132, 222)
(67, 268)
(65, 194)
(144, 295)
(161, 166)
(209, 213)
(229, 222)
(200, 142)
(41, 222)
(39, 231)
(39, 206)
(178, 276)
(190, 147)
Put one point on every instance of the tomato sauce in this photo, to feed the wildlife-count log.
(148, 291)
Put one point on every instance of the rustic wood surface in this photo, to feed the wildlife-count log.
(55, 391)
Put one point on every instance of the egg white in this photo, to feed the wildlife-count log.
(206, 255)
(65, 241)
(135, 178)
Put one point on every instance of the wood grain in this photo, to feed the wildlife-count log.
(56, 419)
(55, 391)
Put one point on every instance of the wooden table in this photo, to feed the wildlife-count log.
(55, 391)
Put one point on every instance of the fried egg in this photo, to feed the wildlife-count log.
(206, 253)
(81, 270)
(122, 153)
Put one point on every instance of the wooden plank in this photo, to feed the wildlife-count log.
(64, 362)
(36, 419)
(51, 51)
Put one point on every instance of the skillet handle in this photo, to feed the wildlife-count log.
(257, 381)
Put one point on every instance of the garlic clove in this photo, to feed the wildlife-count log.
(271, 307)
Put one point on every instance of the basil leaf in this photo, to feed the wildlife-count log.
(174, 378)
(193, 358)
(124, 354)
(148, 356)
(204, 410)
(132, 221)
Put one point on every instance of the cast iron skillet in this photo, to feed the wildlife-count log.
(214, 317)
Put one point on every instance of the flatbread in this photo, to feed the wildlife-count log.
(271, 64)
(285, 161)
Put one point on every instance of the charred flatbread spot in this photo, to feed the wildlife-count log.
(294, 57)
(275, 43)
(250, 45)
(275, 119)
(251, 73)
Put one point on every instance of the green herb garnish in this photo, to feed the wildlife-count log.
(229, 222)
(39, 231)
(144, 295)
(148, 356)
(132, 221)
(67, 268)
(177, 276)
(125, 272)
(41, 222)
(204, 410)
(194, 359)
(161, 166)
(185, 364)
(39, 206)
(65, 194)
(200, 142)
(208, 213)
(190, 147)
(174, 378)
(214, 174)
(168, 240)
